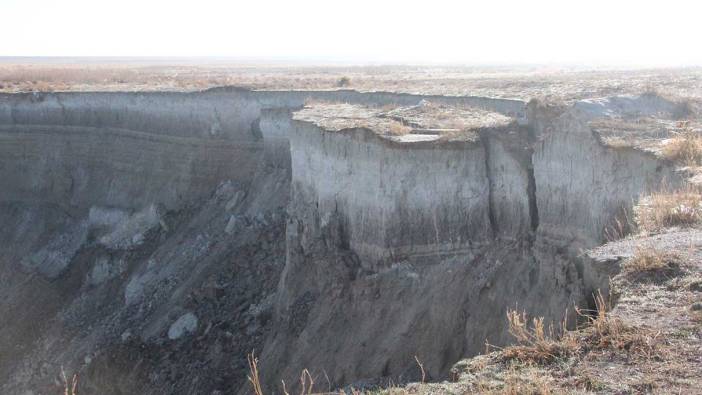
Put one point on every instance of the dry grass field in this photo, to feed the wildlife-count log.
(522, 82)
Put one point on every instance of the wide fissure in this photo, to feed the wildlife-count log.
(531, 193)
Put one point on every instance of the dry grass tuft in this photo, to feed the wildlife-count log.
(616, 142)
(306, 383)
(516, 379)
(667, 209)
(607, 333)
(396, 128)
(536, 343)
(652, 261)
(421, 369)
(253, 377)
(602, 332)
(532, 384)
(588, 383)
(685, 147)
(620, 226)
(306, 380)
(69, 386)
(696, 317)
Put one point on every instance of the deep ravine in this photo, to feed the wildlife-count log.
(151, 240)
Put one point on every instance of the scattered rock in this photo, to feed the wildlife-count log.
(55, 257)
(231, 225)
(135, 289)
(103, 270)
(120, 229)
(187, 323)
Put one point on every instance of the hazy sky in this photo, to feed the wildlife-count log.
(646, 33)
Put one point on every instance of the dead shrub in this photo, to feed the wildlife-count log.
(666, 209)
(685, 147)
(343, 82)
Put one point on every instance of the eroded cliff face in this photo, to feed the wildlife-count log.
(389, 241)
(122, 214)
(150, 241)
(583, 187)
(394, 203)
